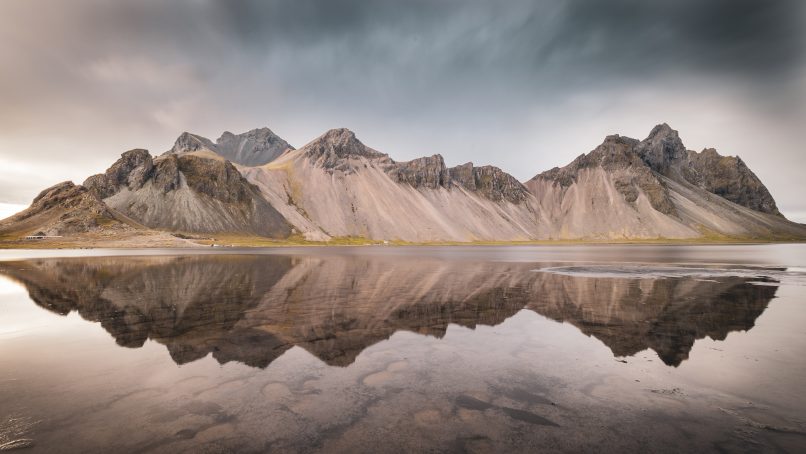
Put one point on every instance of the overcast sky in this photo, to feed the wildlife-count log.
(522, 84)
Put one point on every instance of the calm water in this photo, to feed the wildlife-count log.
(483, 349)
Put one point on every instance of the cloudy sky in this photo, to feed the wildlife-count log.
(522, 84)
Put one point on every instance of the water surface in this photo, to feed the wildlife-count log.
(374, 349)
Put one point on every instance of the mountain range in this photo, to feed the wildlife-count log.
(257, 185)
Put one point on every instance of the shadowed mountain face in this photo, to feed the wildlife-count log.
(251, 309)
(186, 192)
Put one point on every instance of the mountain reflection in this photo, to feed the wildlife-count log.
(252, 308)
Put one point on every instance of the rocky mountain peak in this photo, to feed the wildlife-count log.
(187, 143)
(662, 130)
(662, 149)
(56, 194)
(663, 153)
(252, 148)
(251, 134)
(334, 148)
(342, 141)
(132, 170)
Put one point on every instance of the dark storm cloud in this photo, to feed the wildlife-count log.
(521, 84)
(421, 44)
(408, 52)
(619, 38)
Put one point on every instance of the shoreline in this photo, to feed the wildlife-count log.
(171, 242)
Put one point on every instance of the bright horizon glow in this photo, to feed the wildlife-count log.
(10, 209)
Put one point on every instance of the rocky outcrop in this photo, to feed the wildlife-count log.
(488, 181)
(427, 172)
(186, 193)
(62, 209)
(219, 180)
(188, 143)
(491, 182)
(337, 149)
(730, 178)
(725, 176)
(166, 175)
(132, 170)
(252, 148)
(617, 156)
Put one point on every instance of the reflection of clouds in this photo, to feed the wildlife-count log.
(662, 272)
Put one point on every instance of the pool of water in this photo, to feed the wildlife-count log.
(386, 349)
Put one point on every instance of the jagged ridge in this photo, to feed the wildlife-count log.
(252, 148)
(186, 193)
(337, 186)
(656, 188)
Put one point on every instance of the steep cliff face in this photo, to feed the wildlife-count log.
(490, 182)
(186, 193)
(337, 186)
(653, 188)
(487, 181)
(725, 176)
(132, 170)
(426, 172)
(730, 178)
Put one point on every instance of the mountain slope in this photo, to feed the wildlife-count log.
(654, 188)
(336, 186)
(186, 193)
(252, 148)
(63, 209)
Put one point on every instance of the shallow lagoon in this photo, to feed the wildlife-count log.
(376, 349)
